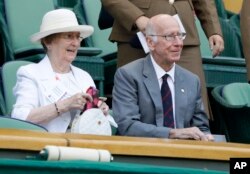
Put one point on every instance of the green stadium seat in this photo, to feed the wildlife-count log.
(204, 44)
(2, 104)
(9, 70)
(11, 123)
(95, 67)
(232, 37)
(237, 94)
(233, 115)
(65, 3)
(100, 37)
(221, 10)
(23, 18)
(227, 68)
(3, 58)
(5, 40)
(224, 70)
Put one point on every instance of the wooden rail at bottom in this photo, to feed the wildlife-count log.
(12, 139)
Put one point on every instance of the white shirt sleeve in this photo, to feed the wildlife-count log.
(26, 94)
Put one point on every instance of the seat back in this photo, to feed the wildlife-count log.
(232, 37)
(100, 37)
(233, 120)
(204, 47)
(221, 10)
(9, 70)
(237, 94)
(5, 44)
(231, 33)
(23, 19)
(228, 67)
(11, 123)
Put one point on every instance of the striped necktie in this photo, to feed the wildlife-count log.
(168, 117)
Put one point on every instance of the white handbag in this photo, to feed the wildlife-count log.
(92, 121)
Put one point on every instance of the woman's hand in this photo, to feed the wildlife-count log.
(102, 105)
(76, 101)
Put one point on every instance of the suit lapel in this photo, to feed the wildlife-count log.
(152, 85)
(180, 98)
(46, 78)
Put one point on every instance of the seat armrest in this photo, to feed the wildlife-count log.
(89, 51)
(220, 60)
(28, 51)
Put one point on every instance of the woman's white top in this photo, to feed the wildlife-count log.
(38, 85)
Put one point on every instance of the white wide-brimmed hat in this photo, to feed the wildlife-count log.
(58, 21)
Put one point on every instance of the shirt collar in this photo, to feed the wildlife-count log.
(160, 71)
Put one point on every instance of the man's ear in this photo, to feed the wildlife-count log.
(150, 42)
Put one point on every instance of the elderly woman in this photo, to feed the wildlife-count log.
(51, 92)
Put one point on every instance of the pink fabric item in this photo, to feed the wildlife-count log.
(95, 95)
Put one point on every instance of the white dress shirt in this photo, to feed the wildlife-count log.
(160, 73)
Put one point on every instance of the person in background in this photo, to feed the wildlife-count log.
(131, 16)
(245, 33)
(50, 93)
(139, 96)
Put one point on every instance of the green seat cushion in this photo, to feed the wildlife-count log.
(237, 94)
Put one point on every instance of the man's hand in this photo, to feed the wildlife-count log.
(216, 43)
(190, 133)
(210, 137)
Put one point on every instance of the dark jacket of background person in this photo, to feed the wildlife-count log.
(245, 33)
(126, 12)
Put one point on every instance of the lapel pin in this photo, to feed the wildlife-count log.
(182, 90)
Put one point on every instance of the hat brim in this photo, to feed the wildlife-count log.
(85, 31)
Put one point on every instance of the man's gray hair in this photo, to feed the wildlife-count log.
(150, 30)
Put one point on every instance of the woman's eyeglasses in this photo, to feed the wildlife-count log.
(69, 37)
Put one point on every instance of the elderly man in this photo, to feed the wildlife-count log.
(147, 103)
(131, 16)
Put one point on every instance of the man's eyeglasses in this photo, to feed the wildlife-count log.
(71, 36)
(172, 37)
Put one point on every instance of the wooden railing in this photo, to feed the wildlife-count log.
(11, 139)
